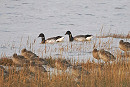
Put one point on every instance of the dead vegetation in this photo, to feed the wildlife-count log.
(103, 34)
(114, 35)
(116, 74)
(79, 74)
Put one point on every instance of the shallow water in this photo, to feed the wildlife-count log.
(21, 21)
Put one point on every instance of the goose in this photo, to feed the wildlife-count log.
(19, 60)
(95, 54)
(28, 54)
(50, 40)
(78, 37)
(125, 46)
(36, 68)
(105, 55)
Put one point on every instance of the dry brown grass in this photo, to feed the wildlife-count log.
(104, 34)
(115, 74)
(114, 35)
(6, 61)
(51, 61)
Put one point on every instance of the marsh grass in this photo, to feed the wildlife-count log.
(114, 35)
(51, 61)
(116, 74)
(6, 61)
(99, 74)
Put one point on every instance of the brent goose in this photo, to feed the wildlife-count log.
(78, 37)
(50, 40)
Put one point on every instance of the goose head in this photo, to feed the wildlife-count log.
(41, 35)
(68, 33)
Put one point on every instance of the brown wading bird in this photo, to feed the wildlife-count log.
(106, 56)
(28, 54)
(78, 37)
(20, 60)
(36, 68)
(125, 46)
(95, 54)
(50, 40)
(62, 64)
(39, 61)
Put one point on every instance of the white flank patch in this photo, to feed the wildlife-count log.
(80, 39)
(89, 38)
(50, 41)
(60, 39)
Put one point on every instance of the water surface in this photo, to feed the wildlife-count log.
(22, 20)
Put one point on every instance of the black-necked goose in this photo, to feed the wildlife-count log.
(105, 55)
(78, 37)
(125, 46)
(28, 54)
(50, 40)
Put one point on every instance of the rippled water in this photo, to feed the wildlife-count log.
(22, 20)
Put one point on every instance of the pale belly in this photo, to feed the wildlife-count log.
(80, 39)
(50, 41)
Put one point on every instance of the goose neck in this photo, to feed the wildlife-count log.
(43, 39)
(70, 37)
